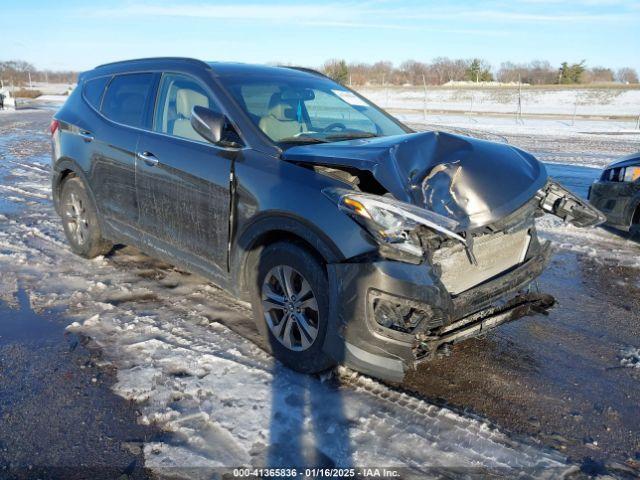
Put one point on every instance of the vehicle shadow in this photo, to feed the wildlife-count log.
(308, 427)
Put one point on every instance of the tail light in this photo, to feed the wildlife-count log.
(54, 126)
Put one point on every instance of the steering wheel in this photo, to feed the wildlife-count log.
(334, 126)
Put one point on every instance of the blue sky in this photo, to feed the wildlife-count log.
(81, 34)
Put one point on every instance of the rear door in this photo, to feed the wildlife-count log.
(125, 105)
(182, 180)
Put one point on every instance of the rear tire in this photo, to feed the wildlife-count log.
(80, 220)
(290, 299)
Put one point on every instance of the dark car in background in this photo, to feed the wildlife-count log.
(617, 194)
(356, 240)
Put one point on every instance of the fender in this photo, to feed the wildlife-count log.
(60, 166)
(271, 222)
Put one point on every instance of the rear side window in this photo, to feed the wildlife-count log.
(126, 98)
(93, 90)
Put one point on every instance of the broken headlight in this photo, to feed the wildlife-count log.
(391, 222)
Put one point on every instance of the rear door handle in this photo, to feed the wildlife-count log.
(86, 135)
(148, 158)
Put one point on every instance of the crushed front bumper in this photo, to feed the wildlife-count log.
(357, 338)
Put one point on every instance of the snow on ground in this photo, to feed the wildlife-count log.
(224, 401)
(601, 245)
(630, 357)
(53, 98)
(57, 89)
(540, 101)
(626, 129)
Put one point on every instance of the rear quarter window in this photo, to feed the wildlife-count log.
(93, 90)
(126, 98)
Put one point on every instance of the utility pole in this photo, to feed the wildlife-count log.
(519, 110)
(30, 84)
(424, 102)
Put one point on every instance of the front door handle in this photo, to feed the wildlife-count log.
(148, 158)
(86, 135)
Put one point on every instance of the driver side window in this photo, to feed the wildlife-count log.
(178, 95)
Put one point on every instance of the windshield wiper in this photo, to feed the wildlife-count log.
(301, 140)
(350, 136)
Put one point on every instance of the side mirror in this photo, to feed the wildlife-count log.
(207, 123)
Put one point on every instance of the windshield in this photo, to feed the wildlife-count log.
(295, 109)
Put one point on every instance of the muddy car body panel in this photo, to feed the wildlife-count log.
(426, 239)
(617, 193)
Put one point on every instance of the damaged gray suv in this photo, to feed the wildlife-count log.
(357, 240)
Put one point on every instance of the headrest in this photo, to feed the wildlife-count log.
(186, 99)
(282, 110)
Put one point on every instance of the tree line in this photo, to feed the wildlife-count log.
(17, 73)
(443, 69)
(411, 72)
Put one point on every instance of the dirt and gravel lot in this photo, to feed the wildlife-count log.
(541, 394)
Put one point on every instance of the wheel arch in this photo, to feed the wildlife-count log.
(272, 228)
(64, 169)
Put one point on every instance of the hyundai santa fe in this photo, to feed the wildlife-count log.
(357, 240)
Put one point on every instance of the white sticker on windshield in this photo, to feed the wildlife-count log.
(350, 98)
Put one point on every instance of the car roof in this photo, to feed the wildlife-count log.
(632, 159)
(236, 68)
(218, 68)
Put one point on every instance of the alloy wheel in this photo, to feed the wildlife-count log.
(290, 308)
(75, 215)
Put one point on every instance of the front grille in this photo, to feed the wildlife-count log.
(495, 253)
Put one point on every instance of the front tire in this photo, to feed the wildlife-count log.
(290, 300)
(80, 220)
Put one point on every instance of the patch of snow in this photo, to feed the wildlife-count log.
(565, 101)
(53, 98)
(597, 243)
(630, 357)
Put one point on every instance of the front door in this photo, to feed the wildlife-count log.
(182, 181)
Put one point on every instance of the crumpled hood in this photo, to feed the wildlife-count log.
(474, 182)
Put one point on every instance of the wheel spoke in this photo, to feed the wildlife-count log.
(272, 300)
(284, 276)
(286, 336)
(270, 304)
(305, 290)
(307, 331)
(277, 329)
(309, 303)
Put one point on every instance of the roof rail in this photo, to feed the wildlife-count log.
(305, 69)
(125, 62)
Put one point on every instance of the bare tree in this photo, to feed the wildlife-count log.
(627, 75)
(598, 75)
